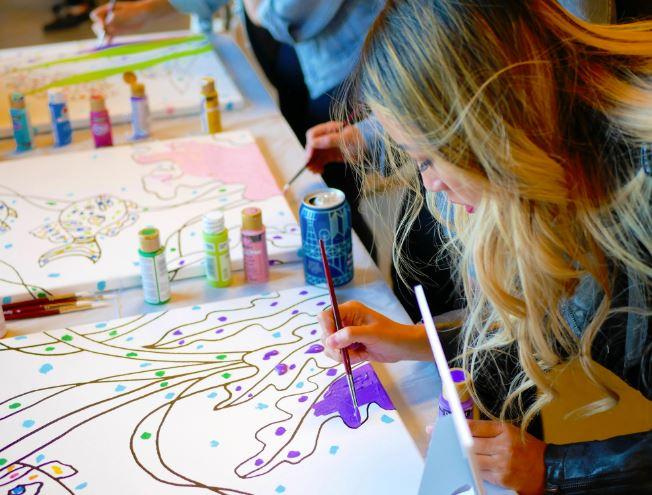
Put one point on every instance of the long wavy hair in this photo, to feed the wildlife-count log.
(551, 114)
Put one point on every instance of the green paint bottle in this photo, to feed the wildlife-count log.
(153, 267)
(216, 243)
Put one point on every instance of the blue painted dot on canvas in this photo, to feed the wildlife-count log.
(129, 339)
(81, 486)
(333, 450)
(169, 395)
(260, 406)
(120, 388)
(100, 325)
(28, 423)
(280, 489)
(196, 308)
(214, 443)
(212, 395)
(386, 419)
(40, 458)
(299, 385)
(45, 369)
(276, 335)
(145, 365)
(135, 263)
(199, 346)
(6, 300)
(9, 245)
(54, 275)
(20, 337)
(101, 285)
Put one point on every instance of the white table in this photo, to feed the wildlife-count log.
(412, 386)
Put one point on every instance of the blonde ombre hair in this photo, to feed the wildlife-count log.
(551, 114)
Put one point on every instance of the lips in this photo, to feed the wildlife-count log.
(469, 208)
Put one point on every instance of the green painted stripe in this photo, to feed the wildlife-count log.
(104, 73)
(128, 49)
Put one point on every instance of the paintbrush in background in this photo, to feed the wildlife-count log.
(38, 311)
(105, 39)
(338, 326)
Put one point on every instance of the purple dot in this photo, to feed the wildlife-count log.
(292, 366)
(238, 388)
(275, 303)
(181, 342)
(222, 318)
(321, 303)
(303, 398)
(303, 292)
(182, 262)
(331, 372)
(281, 369)
(295, 311)
(219, 330)
(177, 332)
(315, 349)
(269, 354)
(294, 453)
(279, 431)
(258, 462)
(313, 332)
(277, 237)
(250, 395)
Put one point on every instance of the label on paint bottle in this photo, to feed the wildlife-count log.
(22, 129)
(154, 274)
(61, 128)
(139, 117)
(254, 250)
(217, 260)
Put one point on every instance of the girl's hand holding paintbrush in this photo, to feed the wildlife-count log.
(377, 337)
(127, 17)
(325, 143)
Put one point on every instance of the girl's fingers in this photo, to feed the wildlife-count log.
(480, 428)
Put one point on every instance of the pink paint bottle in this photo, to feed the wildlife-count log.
(100, 122)
(254, 246)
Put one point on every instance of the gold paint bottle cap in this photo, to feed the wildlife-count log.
(138, 90)
(17, 100)
(252, 218)
(129, 77)
(97, 103)
(208, 86)
(149, 239)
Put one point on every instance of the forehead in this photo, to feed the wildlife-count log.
(403, 136)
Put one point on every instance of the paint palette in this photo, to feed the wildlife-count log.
(228, 397)
(170, 65)
(70, 222)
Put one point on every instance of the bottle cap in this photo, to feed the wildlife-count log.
(56, 96)
(17, 100)
(138, 90)
(129, 77)
(149, 239)
(213, 222)
(208, 86)
(252, 218)
(461, 381)
(97, 103)
(3, 325)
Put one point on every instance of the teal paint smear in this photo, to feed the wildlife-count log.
(104, 73)
(117, 51)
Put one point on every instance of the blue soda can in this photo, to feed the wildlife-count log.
(20, 122)
(326, 215)
(59, 115)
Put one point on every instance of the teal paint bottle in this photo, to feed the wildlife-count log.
(20, 122)
(216, 244)
(153, 267)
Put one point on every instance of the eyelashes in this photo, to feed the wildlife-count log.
(424, 165)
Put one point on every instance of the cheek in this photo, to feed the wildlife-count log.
(432, 181)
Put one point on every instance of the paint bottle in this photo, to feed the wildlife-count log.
(461, 381)
(153, 267)
(139, 111)
(211, 120)
(100, 122)
(20, 122)
(254, 246)
(216, 242)
(61, 129)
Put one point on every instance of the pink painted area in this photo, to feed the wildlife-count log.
(230, 164)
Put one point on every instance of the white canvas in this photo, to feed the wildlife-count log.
(70, 222)
(170, 65)
(233, 397)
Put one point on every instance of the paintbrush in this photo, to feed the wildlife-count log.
(338, 326)
(43, 301)
(107, 19)
(56, 311)
(294, 177)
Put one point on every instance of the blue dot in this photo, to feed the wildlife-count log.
(212, 395)
(214, 443)
(333, 450)
(101, 285)
(299, 384)
(129, 339)
(261, 406)
(276, 335)
(6, 300)
(199, 346)
(20, 337)
(120, 388)
(54, 275)
(28, 423)
(136, 263)
(81, 486)
(145, 365)
(386, 419)
(9, 245)
(195, 308)
(169, 395)
(100, 325)
(40, 458)
(45, 369)
(280, 489)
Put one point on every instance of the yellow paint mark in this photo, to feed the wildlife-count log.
(57, 469)
(32, 477)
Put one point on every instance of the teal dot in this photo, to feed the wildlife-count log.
(120, 388)
(6, 300)
(196, 308)
(386, 419)
(81, 486)
(276, 335)
(28, 423)
(333, 450)
(280, 489)
(212, 395)
(40, 458)
(54, 275)
(299, 384)
(101, 285)
(45, 369)
(9, 245)
(214, 443)
(100, 325)
(169, 395)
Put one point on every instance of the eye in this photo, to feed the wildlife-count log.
(424, 165)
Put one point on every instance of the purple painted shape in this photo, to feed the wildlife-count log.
(269, 354)
(250, 395)
(281, 369)
(277, 237)
(321, 303)
(313, 331)
(294, 453)
(258, 462)
(331, 372)
(279, 431)
(337, 398)
(295, 312)
(181, 342)
(222, 318)
(315, 349)
(303, 293)
(303, 398)
(275, 303)
(177, 332)
(219, 330)
(238, 388)
(458, 375)
(292, 366)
